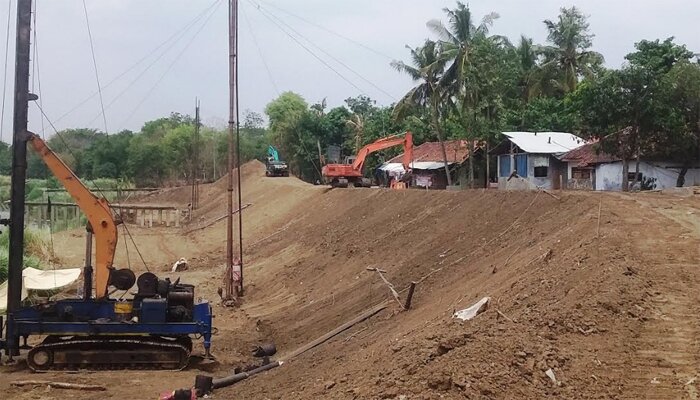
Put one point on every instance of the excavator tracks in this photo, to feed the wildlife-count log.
(110, 353)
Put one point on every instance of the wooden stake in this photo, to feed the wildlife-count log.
(409, 296)
(60, 385)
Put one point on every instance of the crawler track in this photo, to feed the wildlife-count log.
(110, 353)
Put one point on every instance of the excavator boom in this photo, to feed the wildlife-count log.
(95, 209)
(341, 174)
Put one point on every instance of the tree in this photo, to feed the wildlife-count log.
(658, 57)
(682, 89)
(569, 53)
(470, 79)
(5, 159)
(427, 69)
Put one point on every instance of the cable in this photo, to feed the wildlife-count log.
(331, 56)
(257, 47)
(4, 80)
(35, 63)
(94, 63)
(93, 182)
(329, 31)
(309, 50)
(136, 247)
(172, 64)
(148, 67)
(136, 64)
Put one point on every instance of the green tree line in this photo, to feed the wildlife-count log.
(469, 84)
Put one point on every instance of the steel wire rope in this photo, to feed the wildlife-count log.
(332, 57)
(170, 67)
(175, 35)
(94, 64)
(353, 41)
(35, 65)
(158, 58)
(259, 49)
(322, 61)
(97, 187)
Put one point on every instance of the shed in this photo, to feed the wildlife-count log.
(528, 160)
(428, 166)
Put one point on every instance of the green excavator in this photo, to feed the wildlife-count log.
(274, 165)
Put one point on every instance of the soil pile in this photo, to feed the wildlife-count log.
(599, 291)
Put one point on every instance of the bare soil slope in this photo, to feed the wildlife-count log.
(600, 288)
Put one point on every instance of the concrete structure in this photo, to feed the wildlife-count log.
(654, 175)
(591, 169)
(528, 160)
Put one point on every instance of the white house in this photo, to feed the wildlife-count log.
(528, 160)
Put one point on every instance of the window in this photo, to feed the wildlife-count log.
(541, 172)
(580, 173)
(632, 175)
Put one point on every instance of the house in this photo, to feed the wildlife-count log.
(428, 167)
(590, 168)
(528, 160)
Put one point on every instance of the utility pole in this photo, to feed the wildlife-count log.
(233, 278)
(194, 203)
(19, 170)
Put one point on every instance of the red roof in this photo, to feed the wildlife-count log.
(457, 152)
(588, 155)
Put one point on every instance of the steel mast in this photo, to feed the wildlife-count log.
(19, 169)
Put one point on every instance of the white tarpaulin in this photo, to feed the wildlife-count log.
(36, 279)
(398, 167)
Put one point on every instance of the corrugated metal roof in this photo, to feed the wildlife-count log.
(457, 151)
(545, 142)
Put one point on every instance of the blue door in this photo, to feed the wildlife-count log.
(504, 165)
(521, 165)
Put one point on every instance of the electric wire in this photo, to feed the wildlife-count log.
(260, 53)
(94, 63)
(140, 61)
(4, 79)
(353, 41)
(170, 67)
(322, 61)
(158, 58)
(340, 62)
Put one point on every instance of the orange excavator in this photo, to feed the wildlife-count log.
(341, 175)
(148, 328)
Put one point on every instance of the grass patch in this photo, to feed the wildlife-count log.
(36, 250)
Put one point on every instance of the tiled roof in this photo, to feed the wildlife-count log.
(587, 155)
(457, 152)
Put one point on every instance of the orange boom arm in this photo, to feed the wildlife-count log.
(96, 209)
(383, 143)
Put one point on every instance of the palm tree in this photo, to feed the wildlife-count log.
(569, 52)
(357, 123)
(427, 68)
(457, 42)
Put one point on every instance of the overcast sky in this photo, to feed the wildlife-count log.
(175, 50)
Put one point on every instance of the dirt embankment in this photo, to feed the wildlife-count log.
(600, 288)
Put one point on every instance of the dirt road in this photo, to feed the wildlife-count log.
(600, 288)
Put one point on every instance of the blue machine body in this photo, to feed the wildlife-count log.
(99, 317)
